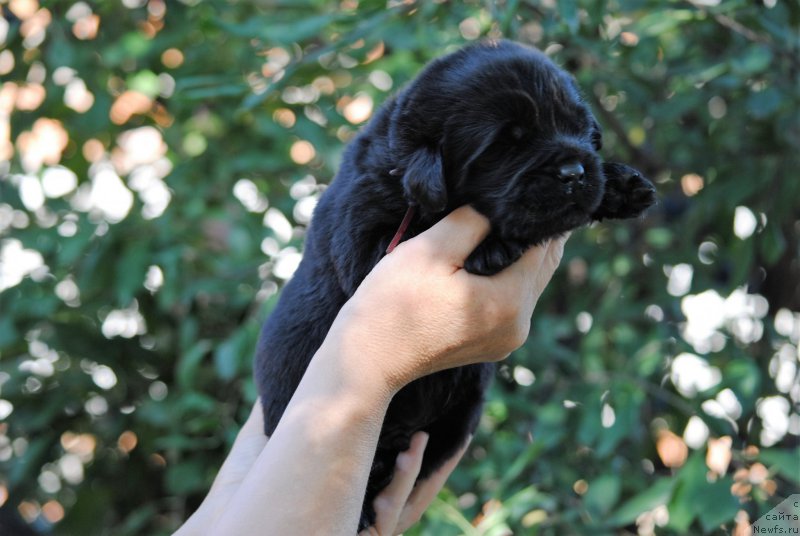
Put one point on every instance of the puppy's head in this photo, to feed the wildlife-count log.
(498, 125)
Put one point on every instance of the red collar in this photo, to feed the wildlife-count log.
(401, 230)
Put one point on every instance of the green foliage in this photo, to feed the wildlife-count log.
(199, 134)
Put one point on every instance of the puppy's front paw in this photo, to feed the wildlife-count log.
(491, 256)
(627, 194)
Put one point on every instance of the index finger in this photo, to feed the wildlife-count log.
(457, 234)
(426, 490)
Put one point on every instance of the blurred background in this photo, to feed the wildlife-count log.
(159, 165)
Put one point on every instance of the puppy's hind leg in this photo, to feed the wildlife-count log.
(627, 194)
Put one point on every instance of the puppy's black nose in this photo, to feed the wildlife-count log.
(571, 172)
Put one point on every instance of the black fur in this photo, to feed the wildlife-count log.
(496, 125)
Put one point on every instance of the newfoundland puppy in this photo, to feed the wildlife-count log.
(496, 125)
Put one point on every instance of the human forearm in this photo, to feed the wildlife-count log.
(331, 426)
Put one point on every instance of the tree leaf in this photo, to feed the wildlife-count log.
(657, 494)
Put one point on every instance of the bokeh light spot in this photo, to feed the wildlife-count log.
(43, 144)
(85, 28)
(154, 278)
(104, 377)
(6, 409)
(629, 39)
(692, 374)
(671, 449)
(718, 455)
(375, 52)
(696, 432)
(77, 97)
(744, 222)
(359, 109)
(23, 9)
(284, 117)
(127, 441)
(6, 62)
(58, 181)
(127, 105)
(381, 80)
(524, 376)
(29, 510)
(16, 262)
(717, 107)
(470, 28)
(286, 263)
(93, 150)
(125, 323)
(109, 195)
(52, 511)
(172, 58)
(691, 184)
(302, 152)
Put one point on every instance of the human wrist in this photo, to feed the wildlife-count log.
(352, 377)
(375, 361)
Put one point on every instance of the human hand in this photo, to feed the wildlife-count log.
(401, 504)
(419, 311)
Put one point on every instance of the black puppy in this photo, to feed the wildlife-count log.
(496, 125)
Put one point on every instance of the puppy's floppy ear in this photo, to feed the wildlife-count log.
(423, 180)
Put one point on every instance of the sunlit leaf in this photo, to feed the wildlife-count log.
(658, 494)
